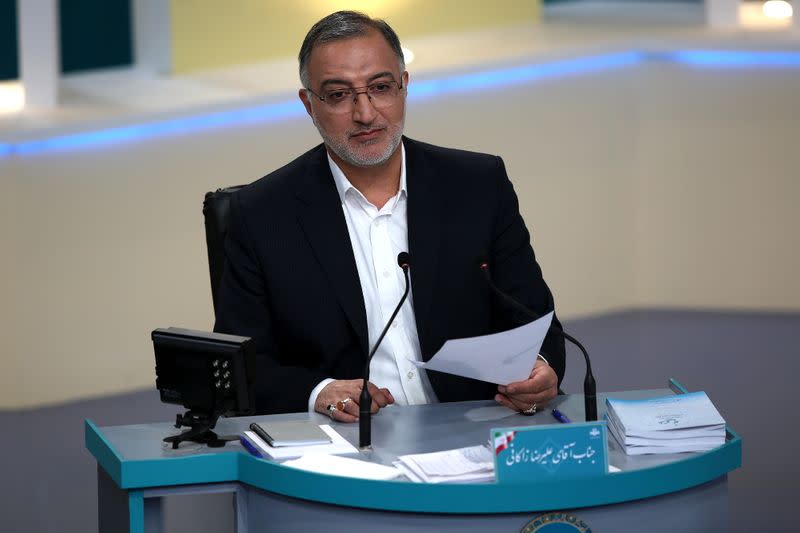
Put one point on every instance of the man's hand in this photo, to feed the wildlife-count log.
(339, 390)
(540, 387)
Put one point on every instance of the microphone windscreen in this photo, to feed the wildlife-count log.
(404, 259)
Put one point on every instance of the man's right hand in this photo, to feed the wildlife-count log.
(339, 390)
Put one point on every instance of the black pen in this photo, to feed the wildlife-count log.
(250, 447)
(561, 417)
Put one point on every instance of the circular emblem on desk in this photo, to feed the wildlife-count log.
(556, 523)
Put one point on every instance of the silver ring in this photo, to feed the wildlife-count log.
(331, 408)
(530, 411)
(340, 405)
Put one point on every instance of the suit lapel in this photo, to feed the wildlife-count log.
(424, 233)
(322, 219)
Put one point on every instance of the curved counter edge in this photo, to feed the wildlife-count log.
(486, 498)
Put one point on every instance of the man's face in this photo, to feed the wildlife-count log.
(363, 135)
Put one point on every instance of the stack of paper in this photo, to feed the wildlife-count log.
(669, 424)
(463, 465)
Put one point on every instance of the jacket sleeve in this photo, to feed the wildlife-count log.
(516, 272)
(282, 384)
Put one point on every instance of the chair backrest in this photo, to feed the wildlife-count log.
(216, 208)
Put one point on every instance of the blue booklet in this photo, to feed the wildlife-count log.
(667, 424)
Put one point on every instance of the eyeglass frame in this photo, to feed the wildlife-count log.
(356, 91)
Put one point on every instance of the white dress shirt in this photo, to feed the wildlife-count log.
(377, 237)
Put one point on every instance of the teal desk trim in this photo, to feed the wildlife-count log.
(136, 511)
(490, 497)
(197, 469)
(127, 474)
(693, 470)
(103, 451)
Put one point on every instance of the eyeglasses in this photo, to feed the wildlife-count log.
(381, 94)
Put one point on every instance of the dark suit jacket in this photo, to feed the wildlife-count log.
(291, 283)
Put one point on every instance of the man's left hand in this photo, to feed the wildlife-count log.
(540, 387)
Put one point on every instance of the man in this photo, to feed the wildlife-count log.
(311, 271)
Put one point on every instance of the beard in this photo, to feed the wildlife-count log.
(354, 155)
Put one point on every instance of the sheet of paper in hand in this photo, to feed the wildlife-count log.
(500, 358)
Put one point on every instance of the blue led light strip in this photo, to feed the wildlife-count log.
(523, 74)
(477, 81)
(262, 113)
(732, 58)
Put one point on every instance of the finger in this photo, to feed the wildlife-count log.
(351, 407)
(502, 399)
(342, 416)
(524, 401)
(334, 392)
(529, 386)
(381, 397)
(540, 398)
(543, 379)
(519, 403)
(374, 405)
(388, 396)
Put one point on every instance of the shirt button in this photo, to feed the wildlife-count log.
(410, 375)
(385, 273)
(394, 324)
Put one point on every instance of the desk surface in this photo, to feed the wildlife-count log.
(135, 458)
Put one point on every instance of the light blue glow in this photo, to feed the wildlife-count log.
(733, 58)
(472, 82)
(262, 113)
(517, 75)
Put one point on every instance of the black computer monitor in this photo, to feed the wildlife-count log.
(210, 374)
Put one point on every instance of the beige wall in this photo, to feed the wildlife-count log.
(655, 186)
(717, 189)
(11, 370)
(209, 34)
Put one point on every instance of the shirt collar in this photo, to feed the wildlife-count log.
(343, 184)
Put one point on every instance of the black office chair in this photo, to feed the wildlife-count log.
(216, 208)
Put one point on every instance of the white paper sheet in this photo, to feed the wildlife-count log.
(500, 358)
(343, 466)
(463, 465)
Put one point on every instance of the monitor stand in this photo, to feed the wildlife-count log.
(200, 425)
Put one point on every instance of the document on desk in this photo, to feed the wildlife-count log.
(463, 465)
(499, 358)
(667, 424)
(334, 465)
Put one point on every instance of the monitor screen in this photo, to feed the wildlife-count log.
(205, 372)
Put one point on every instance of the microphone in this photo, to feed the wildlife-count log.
(589, 385)
(365, 400)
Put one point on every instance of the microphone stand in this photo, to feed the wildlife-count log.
(365, 400)
(589, 385)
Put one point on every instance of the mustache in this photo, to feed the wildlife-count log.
(373, 127)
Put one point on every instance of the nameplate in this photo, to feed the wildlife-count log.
(563, 451)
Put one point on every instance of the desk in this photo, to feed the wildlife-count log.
(685, 492)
